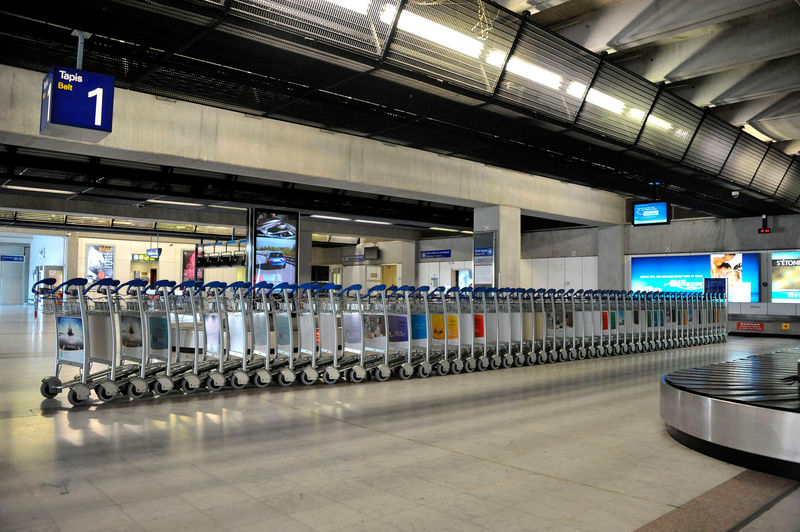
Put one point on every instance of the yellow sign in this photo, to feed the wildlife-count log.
(437, 324)
(786, 326)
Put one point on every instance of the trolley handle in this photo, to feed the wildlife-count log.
(49, 282)
(77, 281)
(351, 288)
(376, 288)
(420, 290)
(261, 285)
(308, 286)
(101, 283)
(186, 285)
(327, 287)
(237, 285)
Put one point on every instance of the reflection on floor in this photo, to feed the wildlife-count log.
(570, 446)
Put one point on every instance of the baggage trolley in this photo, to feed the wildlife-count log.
(398, 324)
(326, 309)
(375, 342)
(485, 329)
(502, 310)
(466, 329)
(440, 329)
(531, 344)
(452, 341)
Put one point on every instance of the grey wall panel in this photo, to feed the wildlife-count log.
(562, 243)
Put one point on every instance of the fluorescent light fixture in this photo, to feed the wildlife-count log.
(376, 222)
(609, 103)
(228, 207)
(576, 89)
(466, 232)
(433, 31)
(183, 203)
(324, 217)
(443, 229)
(359, 6)
(535, 73)
(496, 58)
(636, 114)
(43, 190)
(658, 122)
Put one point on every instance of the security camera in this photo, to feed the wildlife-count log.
(735, 193)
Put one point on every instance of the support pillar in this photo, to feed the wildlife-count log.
(303, 257)
(611, 257)
(505, 222)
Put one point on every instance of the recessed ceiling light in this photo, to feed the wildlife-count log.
(183, 203)
(44, 190)
(373, 222)
(228, 207)
(325, 217)
(467, 232)
(443, 229)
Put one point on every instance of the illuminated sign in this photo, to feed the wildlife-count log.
(76, 104)
(651, 213)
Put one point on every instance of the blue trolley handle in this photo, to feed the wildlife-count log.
(376, 288)
(238, 285)
(422, 290)
(351, 288)
(101, 283)
(184, 285)
(327, 287)
(49, 282)
(135, 283)
(77, 281)
(262, 285)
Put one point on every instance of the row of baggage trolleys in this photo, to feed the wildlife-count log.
(164, 337)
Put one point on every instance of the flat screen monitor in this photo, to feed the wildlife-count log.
(372, 253)
(651, 213)
(275, 246)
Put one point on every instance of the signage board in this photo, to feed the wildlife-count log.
(99, 262)
(154, 252)
(483, 259)
(275, 250)
(12, 258)
(749, 326)
(353, 258)
(435, 254)
(651, 213)
(785, 277)
(76, 104)
(141, 257)
(714, 285)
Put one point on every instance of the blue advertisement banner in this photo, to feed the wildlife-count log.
(419, 327)
(435, 253)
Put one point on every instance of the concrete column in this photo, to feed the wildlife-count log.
(303, 257)
(72, 268)
(611, 258)
(505, 221)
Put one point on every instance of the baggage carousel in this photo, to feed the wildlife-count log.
(745, 411)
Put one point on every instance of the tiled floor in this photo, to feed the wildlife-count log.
(570, 446)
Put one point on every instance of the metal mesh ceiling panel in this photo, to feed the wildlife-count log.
(771, 171)
(455, 41)
(789, 189)
(711, 145)
(357, 25)
(743, 161)
(616, 104)
(541, 70)
(670, 126)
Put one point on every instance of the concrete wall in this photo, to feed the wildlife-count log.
(580, 242)
(159, 131)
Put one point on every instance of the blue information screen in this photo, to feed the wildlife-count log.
(786, 277)
(651, 213)
(686, 273)
(77, 104)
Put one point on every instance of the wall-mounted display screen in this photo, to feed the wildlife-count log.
(275, 247)
(685, 273)
(651, 213)
(786, 277)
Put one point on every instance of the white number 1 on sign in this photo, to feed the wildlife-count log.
(98, 108)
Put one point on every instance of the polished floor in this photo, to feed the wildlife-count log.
(570, 446)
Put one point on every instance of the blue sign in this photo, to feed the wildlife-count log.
(12, 258)
(77, 104)
(353, 258)
(484, 252)
(651, 213)
(435, 253)
(688, 273)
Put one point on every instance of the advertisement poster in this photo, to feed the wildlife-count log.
(437, 326)
(159, 334)
(276, 247)
(282, 330)
(374, 326)
(238, 338)
(786, 277)
(351, 328)
(130, 328)
(398, 328)
(741, 272)
(687, 273)
(212, 334)
(189, 265)
(99, 262)
(419, 327)
(479, 331)
(70, 338)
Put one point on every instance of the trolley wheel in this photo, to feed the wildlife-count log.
(261, 378)
(78, 394)
(330, 375)
(404, 371)
(163, 385)
(658, 345)
(482, 363)
(617, 349)
(456, 366)
(671, 344)
(106, 391)
(238, 379)
(49, 387)
(308, 376)
(552, 356)
(136, 388)
(581, 353)
(572, 354)
(424, 370)
(652, 345)
(381, 373)
(442, 368)
(591, 352)
(357, 374)
(190, 383)
(541, 358)
(507, 361)
(285, 377)
(469, 365)
(494, 362)
(215, 381)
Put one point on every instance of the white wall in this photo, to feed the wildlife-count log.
(46, 250)
(560, 272)
(13, 282)
(435, 274)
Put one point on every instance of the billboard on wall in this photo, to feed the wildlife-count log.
(275, 247)
(685, 273)
(190, 269)
(99, 262)
(786, 277)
